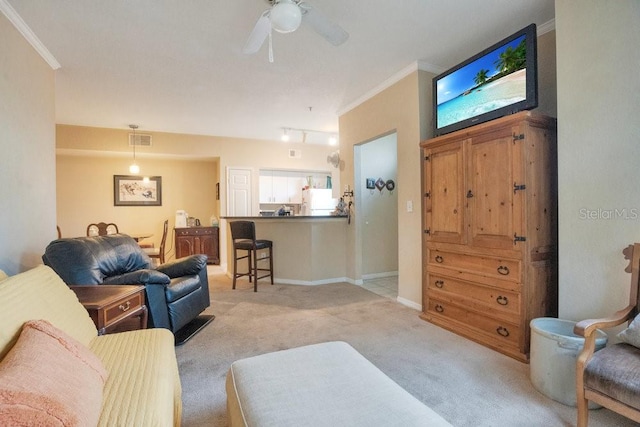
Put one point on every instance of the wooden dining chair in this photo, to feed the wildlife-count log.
(102, 228)
(609, 377)
(158, 253)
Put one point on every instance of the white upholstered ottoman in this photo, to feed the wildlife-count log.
(328, 384)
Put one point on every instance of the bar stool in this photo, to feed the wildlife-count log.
(243, 235)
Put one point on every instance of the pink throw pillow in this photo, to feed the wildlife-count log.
(49, 378)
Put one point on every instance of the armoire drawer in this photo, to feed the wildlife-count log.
(502, 268)
(499, 330)
(476, 296)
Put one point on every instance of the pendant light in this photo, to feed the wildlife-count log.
(134, 168)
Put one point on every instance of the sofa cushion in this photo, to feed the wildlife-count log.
(615, 372)
(143, 378)
(39, 293)
(181, 286)
(49, 378)
(631, 335)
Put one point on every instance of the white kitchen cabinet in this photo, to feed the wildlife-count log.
(266, 187)
(278, 186)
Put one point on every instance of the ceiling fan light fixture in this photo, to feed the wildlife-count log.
(285, 16)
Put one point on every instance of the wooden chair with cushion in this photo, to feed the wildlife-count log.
(243, 235)
(102, 229)
(611, 377)
(158, 253)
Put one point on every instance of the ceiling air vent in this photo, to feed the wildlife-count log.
(141, 140)
(295, 154)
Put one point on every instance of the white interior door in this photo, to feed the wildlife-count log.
(239, 192)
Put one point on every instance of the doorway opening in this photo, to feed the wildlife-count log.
(376, 171)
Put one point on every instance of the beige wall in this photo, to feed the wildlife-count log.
(406, 108)
(27, 161)
(599, 148)
(397, 108)
(172, 157)
(85, 194)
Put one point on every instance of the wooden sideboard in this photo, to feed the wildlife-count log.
(198, 240)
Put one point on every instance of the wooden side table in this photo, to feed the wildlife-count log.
(111, 306)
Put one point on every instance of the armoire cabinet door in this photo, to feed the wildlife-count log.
(444, 193)
(494, 205)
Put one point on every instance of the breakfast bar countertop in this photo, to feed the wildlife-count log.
(287, 217)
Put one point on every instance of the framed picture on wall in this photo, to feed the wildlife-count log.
(131, 190)
(371, 183)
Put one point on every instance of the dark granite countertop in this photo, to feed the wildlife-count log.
(287, 217)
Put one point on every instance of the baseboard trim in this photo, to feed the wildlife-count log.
(379, 275)
(409, 303)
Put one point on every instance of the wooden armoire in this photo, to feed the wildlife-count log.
(489, 217)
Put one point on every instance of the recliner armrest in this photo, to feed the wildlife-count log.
(139, 277)
(186, 266)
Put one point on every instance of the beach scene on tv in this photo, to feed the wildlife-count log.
(492, 81)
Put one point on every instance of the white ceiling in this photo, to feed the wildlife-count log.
(177, 66)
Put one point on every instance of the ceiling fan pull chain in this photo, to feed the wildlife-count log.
(270, 48)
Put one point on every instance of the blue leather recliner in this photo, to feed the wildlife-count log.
(176, 292)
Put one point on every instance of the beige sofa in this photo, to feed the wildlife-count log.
(142, 385)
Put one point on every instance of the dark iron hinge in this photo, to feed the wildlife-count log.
(517, 187)
(427, 194)
(427, 231)
(518, 137)
(517, 238)
(427, 158)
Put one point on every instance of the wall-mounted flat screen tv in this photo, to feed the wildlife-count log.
(500, 80)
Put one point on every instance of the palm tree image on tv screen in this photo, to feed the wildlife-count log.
(493, 81)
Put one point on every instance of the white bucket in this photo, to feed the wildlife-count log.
(554, 350)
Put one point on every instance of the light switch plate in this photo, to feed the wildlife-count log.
(409, 206)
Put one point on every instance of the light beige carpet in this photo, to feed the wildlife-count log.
(466, 383)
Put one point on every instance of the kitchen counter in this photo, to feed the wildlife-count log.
(307, 250)
(252, 218)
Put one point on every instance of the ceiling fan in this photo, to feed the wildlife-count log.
(334, 159)
(285, 16)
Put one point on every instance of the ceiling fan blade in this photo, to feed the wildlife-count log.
(259, 34)
(332, 32)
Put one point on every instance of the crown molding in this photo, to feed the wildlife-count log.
(78, 152)
(546, 27)
(29, 35)
(411, 68)
(423, 66)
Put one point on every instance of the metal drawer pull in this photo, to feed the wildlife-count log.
(439, 258)
(439, 308)
(502, 331)
(502, 300)
(125, 307)
(504, 270)
(439, 283)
